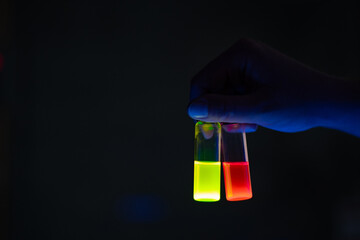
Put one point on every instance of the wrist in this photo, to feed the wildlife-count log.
(339, 107)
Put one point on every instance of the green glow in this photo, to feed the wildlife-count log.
(207, 181)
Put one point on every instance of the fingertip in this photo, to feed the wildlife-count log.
(198, 109)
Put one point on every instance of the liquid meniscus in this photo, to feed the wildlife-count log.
(207, 181)
(237, 181)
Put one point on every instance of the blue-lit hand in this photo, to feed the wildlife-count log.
(254, 84)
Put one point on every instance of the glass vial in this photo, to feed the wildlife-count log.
(207, 165)
(235, 163)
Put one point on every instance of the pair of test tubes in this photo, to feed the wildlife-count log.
(212, 139)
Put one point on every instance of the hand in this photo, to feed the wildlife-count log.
(254, 84)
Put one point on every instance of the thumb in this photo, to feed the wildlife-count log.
(225, 108)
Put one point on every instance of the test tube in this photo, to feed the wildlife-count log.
(207, 165)
(235, 163)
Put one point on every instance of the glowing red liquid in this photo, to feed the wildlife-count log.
(237, 181)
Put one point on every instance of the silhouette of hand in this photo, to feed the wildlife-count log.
(254, 84)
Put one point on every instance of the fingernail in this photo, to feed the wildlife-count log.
(198, 109)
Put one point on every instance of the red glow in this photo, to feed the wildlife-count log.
(237, 181)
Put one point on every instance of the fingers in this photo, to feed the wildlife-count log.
(218, 92)
(226, 108)
(226, 70)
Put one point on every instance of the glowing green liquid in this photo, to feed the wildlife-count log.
(207, 181)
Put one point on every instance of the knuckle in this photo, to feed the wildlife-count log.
(247, 44)
(245, 48)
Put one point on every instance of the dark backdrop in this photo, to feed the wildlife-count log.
(98, 144)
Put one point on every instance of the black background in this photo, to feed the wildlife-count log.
(97, 144)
